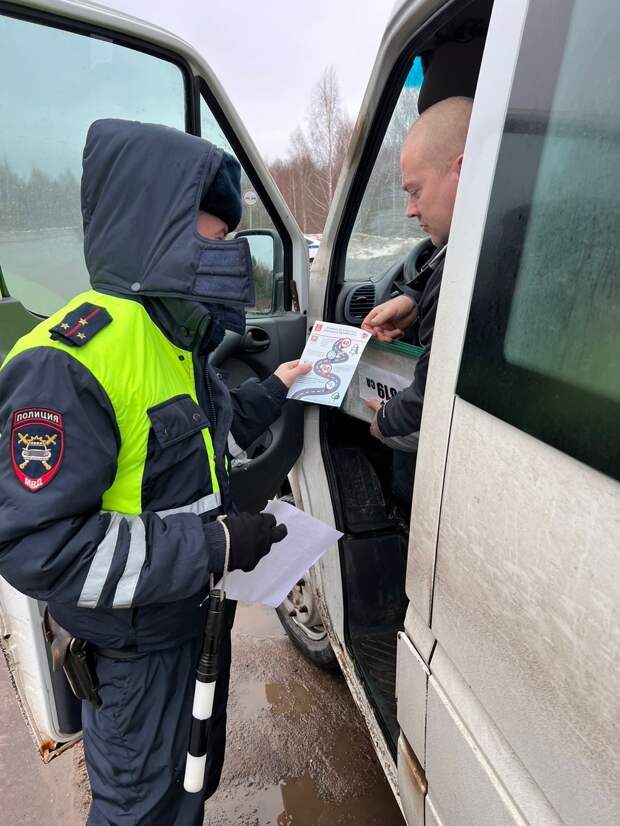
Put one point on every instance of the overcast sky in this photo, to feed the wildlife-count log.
(269, 54)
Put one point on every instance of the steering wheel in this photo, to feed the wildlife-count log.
(404, 270)
(357, 298)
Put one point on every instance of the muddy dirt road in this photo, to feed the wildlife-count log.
(298, 752)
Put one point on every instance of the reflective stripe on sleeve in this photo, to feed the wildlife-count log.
(126, 588)
(102, 560)
(202, 505)
(100, 565)
(233, 447)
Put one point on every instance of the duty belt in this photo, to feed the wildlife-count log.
(130, 652)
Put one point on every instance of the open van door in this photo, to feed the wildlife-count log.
(69, 64)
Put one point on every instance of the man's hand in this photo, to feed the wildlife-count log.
(251, 537)
(290, 371)
(389, 320)
(374, 405)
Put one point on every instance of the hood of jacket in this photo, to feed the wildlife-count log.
(142, 185)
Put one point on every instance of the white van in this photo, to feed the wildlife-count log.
(475, 619)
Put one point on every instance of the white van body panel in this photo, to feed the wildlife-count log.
(411, 784)
(526, 583)
(309, 484)
(25, 651)
(430, 813)
(412, 676)
(458, 771)
(463, 741)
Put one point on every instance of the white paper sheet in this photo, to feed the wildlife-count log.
(287, 561)
(334, 350)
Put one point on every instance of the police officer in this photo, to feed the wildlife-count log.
(114, 457)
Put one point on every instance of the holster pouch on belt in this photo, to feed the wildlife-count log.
(75, 659)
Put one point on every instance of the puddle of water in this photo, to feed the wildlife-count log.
(289, 698)
(250, 805)
(302, 807)
(299, 725)
(294, 802)
(279, 698)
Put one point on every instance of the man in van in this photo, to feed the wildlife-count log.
(116, 441)
(431, 159)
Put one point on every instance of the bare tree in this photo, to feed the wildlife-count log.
(307, 178)
(302, 169)
(325, 120)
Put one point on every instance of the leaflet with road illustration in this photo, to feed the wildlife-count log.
(334, 350)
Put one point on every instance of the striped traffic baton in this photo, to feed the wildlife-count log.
(204, 691)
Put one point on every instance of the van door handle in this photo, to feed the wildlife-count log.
(255, 340)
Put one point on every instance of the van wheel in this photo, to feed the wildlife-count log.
(301, 620)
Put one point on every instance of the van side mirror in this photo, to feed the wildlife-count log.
(268, 262)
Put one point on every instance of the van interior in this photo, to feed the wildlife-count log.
(371, 485)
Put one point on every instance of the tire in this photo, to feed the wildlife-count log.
(305, 627)
(318, 649)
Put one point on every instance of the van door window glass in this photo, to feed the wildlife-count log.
(542, 349)
(381, 234)
(60, 83)
(254, 217)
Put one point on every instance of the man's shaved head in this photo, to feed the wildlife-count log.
(441, 131)
(431, 159)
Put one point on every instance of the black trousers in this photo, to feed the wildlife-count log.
(136, 743)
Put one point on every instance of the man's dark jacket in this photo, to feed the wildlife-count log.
(402, 415)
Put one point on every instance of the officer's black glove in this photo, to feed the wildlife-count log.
(251, 537)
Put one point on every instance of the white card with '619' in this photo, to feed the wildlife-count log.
(380, 384)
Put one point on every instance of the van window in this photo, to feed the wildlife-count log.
(381, 234)
(60, 83)
(541, 349)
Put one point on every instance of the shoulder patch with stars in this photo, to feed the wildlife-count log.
(80, 325)
(37, 446)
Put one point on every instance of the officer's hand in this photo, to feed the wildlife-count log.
(389, 320)
(251, 537)
(290, 371)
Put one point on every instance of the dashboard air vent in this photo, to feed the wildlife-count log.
(360, 302)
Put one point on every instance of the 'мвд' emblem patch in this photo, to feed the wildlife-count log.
(37, 446)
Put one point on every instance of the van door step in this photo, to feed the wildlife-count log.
(361, 496)
(374, 653)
